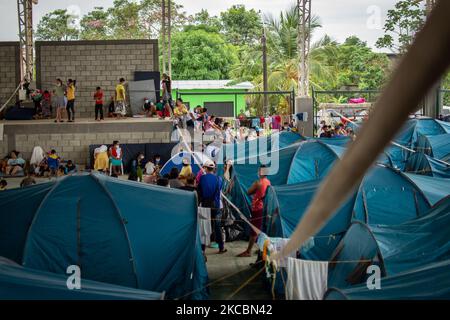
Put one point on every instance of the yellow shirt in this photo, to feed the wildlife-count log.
(71, 92)
(185, 172)
(180, 111)
(120, 92)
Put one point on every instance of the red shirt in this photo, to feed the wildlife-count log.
(258, 197)
(98, 96)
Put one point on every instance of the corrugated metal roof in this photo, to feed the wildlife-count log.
(210, 84)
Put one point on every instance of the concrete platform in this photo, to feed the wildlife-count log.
(72, 140)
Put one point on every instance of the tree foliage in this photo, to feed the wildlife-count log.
(402, 24)
(54, 26)
(201, 55)
(241, 26)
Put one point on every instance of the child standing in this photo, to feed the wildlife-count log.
(98, 97)
(111, 108)
(46, 104)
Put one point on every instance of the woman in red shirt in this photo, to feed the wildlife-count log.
(258, 191)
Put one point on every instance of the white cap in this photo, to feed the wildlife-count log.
(209, 164)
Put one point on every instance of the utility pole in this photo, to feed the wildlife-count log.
(169, 37)
(25, 18)
(163, 35)
(265, 82)
(304, 109)
(304, 43)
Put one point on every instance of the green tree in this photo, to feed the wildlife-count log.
(125, 20)
(94, 25)
(54, 26)
(402, 24)
(201, 55)
(202, 20)
(241, 26)
(151, 16)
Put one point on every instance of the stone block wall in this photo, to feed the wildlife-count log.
(9, 69)
(92, 64)
(72, 141)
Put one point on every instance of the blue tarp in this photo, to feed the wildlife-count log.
(119, 232)
(19, 283)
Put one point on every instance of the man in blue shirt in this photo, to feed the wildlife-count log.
(209, 189)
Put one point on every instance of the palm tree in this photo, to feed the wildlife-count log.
(283, 59)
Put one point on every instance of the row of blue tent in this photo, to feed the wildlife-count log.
(119, 233)
(414, 258)
(388, 203)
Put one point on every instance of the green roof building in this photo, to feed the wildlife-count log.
(220, 97)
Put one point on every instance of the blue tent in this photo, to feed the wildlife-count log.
(431, 282)
(261, 145)
(176, 161)
(119, 232)
(420, 163)
(395, 248)
(301, 162)
(285, 207)
(387, 196)
(19, 283)
(437, 146)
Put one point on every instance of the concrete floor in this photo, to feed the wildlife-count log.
(219, 267)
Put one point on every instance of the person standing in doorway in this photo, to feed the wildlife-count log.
(59, 91)
(98, 97)
(166, 85)
(209, 189)
(71, 99)
(120, 99)
(258, 191)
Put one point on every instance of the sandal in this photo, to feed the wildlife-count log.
(222, 251)
(244, 254)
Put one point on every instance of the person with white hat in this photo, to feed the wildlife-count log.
(209, 189)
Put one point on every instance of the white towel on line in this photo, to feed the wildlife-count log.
(204, 224)
(307, 280)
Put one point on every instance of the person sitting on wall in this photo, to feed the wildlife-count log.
(15, 164)
(149, 108)
(180, 113)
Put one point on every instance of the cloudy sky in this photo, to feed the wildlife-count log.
(339, 18)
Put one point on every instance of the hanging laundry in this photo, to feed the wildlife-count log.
(204, 224)
(255, 122)
(307, 280)
(277, 244)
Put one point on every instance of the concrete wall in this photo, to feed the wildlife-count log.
(9, 69)
(92, 64)
(72, 141)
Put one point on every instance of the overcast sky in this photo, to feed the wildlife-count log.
(340, 18)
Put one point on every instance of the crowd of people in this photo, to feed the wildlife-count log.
(41, 165)
(340, 130)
